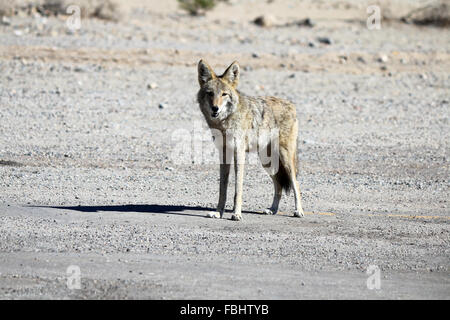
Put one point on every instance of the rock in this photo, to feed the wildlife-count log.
(6, 21)
(361, 59)
(265, 21)
(255, 55)
(162, 106)
(152, 85)
(342, 59)
(305, 23)
(383, 58)
(324, 40)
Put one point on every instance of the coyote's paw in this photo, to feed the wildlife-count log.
(236, 217)
(213, 214)
(269, 211)
(299, 213)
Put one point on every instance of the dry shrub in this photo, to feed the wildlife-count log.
(102, 9)
(197, 7)
(436, 14)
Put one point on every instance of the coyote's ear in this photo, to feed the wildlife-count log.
(232, 74)
(205, 73)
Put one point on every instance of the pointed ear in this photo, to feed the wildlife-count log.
(232, 74)
(205, 73)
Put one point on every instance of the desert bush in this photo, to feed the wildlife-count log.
(197, 7)
(102, 9)
(437, 14)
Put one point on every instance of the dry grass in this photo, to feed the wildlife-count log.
(102, 9)
(436, 14)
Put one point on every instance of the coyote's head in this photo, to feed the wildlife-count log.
(217, 97)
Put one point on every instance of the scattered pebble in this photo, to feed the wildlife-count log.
(383, 58)
(6, 21)
(264, 21)
(152, 85)
(324, 40)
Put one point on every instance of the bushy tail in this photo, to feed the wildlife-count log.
(283, 176)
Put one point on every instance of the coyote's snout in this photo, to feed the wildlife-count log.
(241, 123)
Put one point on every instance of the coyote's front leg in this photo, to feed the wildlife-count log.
(224, 174)
(239, 160)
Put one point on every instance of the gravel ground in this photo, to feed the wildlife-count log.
(90, 174)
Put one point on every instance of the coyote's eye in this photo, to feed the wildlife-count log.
(224, 94)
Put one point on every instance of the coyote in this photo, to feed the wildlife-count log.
(233, 115)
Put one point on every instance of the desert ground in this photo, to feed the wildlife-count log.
(91, 176)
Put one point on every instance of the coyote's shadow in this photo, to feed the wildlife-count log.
(145, 208)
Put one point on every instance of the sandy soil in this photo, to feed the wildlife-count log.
(89, 174)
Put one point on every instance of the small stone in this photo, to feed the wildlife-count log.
(361, 59)
(255, 55)
(152, 85)
(324, 40)
(342, 59)
(383, 58)
(6, 21)
(162, 106)
(305, 23)
(265, 21)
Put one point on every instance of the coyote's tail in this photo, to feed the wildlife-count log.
(285, 167)
(282, 177)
